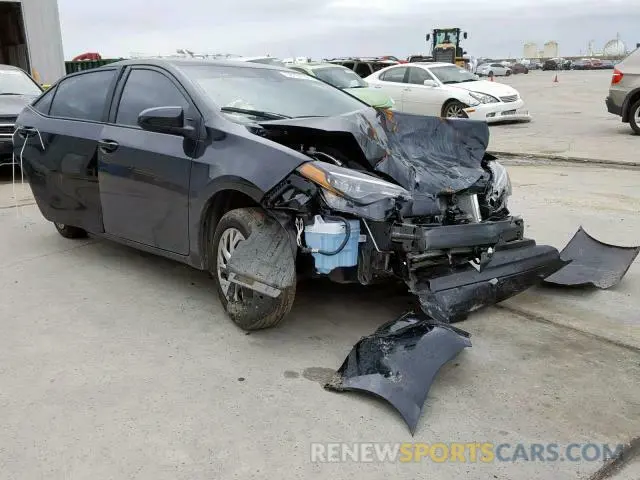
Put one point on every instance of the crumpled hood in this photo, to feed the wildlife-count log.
(371, 96)
(425, 155)
(12, 105)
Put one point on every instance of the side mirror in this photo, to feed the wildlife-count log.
(430, 83)
(465, 35)
(428, 37)
(165, 120)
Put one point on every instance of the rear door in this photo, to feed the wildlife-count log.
(60, 156)
(392, 82)
(144, 176)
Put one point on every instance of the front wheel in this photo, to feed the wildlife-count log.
(67, 231)
(634, 117)
(508, 73)
(248, 309)
(454, 109)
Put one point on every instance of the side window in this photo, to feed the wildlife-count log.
(83, 97)
(363, 69)
(394, 75)
(147, 89)
(349, 65)
(43, 104)
(417, 76)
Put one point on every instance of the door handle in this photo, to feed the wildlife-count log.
(108, 146)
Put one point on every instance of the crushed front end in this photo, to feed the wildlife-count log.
(429, 206)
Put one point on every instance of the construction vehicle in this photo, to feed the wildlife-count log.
(445, 45)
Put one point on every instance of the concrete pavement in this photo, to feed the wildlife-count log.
(570, 119)
(119, 364)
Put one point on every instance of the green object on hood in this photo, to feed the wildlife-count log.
(347, 80)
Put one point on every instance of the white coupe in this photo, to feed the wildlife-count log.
(443, 89)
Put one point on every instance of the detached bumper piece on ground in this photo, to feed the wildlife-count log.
(400, 360)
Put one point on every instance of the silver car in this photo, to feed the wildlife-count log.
(493, 70)
(624, 93)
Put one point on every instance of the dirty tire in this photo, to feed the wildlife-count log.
(634, 117)
(454, 109)
(254, 311)
(67, 231)
(490, 74)
(508, 73)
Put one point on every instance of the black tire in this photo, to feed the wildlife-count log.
(634, 117)
(508, 73)
(526, 71)
(490, 74)
(67, 231)
(451, 106)
(251, 310)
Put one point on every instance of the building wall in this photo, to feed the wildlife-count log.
(551, 50)
(44, 39)
(530, 50)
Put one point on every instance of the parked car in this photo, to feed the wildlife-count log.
(17, 89)
(363, 66)
(493, 70)
(584, 64)
(606, 65)
(443, 89)
(534, 65)
(259, 174)
(624, 93)
(347, 80)
(551, 64)
(519, 68)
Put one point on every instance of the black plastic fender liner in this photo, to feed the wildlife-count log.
(400, 361)
(265, 262)
(451, 297)
(593, 262)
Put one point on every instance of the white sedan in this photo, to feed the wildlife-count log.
(493, 70)
(443, 89)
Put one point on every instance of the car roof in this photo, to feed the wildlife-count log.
(187, 62)
(10, 67)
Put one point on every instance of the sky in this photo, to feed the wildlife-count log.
(332, 28)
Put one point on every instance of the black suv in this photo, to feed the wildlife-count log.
(363, 66)
(17, 89)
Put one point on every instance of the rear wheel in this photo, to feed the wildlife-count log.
(454, 109)
(634, 117)
(67, 231)
(248, 309)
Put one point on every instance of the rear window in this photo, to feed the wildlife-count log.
(83, 97)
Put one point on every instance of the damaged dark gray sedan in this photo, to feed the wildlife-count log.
(261, 175)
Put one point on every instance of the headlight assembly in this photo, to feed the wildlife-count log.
(500, 186)
(483, 97)
(349, 184)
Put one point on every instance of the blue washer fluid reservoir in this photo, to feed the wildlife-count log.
(328, 235)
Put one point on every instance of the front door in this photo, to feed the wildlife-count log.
(421, 99)
(144, 176)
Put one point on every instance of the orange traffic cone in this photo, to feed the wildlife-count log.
(491, 78)
(555, 80)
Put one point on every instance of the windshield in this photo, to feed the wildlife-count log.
(447, 37)
(15, 82)
(280, 92)
(340, 77)
(453, 74)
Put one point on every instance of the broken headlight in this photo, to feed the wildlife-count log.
(354, 192)
(350, 184)
(500, 189)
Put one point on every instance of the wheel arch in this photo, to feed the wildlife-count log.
(222, 200)
(632, 97)
(447, 102)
